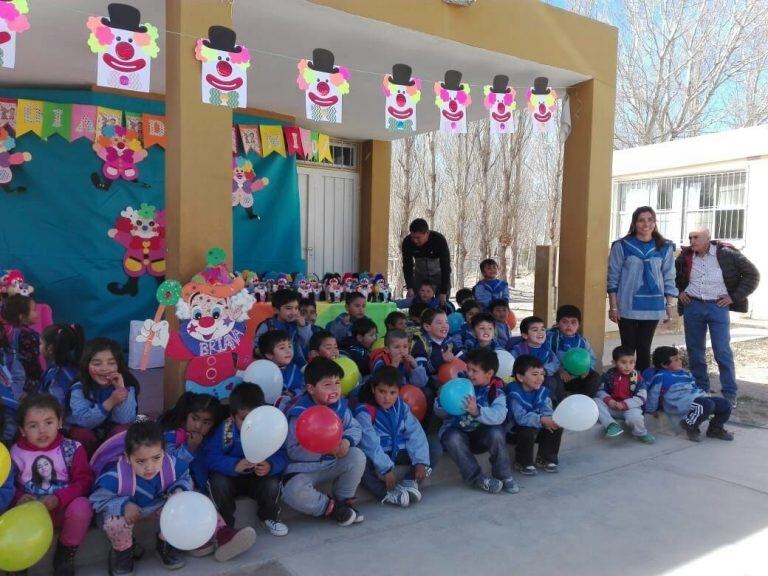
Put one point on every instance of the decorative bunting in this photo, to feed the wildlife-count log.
(306, 143)
(499, 100)
(154, 130)
(57, 119)
(403, 93)
(107, 117)
(324, 148)
(8, 112)
(125, 48)
(313, 155)
(223, 77)
(272, 140)
(251, 138)
(324, 86)
(30, 117)
(452, 99)
(135, 124)
(83, 122)
(293, 141)
(12, 22)
(541, 101)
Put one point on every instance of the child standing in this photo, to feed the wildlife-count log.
(344, 466)
(499, 309)
(481, 427)
(534, 343)
(231, 475)
(531, 414)
(275, 345)
(341, 326)
(62, 346)
(55, 471)
(358, 345)
(561, 338)
(483, 333)
(622, 394)
(103, 402)
(323, 345)
(674, 389)
(19, 314)
(490, 288)
(392, 436)
(288, 319)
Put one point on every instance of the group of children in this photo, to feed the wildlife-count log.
(78, 447)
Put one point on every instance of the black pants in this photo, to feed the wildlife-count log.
(704, 407)
(638, 335)
(264, 489)
(586, 385)
(549, 444)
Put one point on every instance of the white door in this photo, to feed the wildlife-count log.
(330, 219)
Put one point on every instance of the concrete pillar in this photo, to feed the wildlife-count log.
(544, 284)
(375, 168)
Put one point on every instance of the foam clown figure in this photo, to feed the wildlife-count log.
(245, 185)
(541, 101)
(125, 48)
(13, 21)
(499, 100)
(12, 282)
(403, 93)
(121, 150)
(452, 98)
(8, 159)
(324, 86)
(224, 75)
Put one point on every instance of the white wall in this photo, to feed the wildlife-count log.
(756, 238)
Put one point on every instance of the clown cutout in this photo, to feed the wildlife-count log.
(381, 291)
(8, 159)
(452, 98)
(13, 21)
(245, 185)
(324, 85)
(403, 93)
(316, 287)
(121, 150)
(541, 101)
(301, 285)
(224, 78)
(142, 233)
(499, 100)
(125, 48)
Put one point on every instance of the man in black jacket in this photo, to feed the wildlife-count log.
(426, 257)
(713, 278)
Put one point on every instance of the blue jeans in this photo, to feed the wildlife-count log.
(462, 447)
(699, 316)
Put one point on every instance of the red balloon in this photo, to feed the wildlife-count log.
(450, 370)
(511, 320)
(319, 430)
(415, 398)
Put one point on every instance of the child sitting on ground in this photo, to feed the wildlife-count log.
(414, 316)
(563, 337)
(288, 319)
(396, 321)
(481, 427)
(392, 436)
(531, 411)
(61, 346)
(463, 294)
(468, 310)
(358, 345)
(674, 390)
(308, 311)
(231, 475)
(344, 466)
(276, 346)
(426, 295)
(53, 470)
(396, 353)
(622, 394)
(323, 345)
(499, 309)
(490, 288)
(483, 334)
(103, 402)
(341, 326)
(533, 342)
(431, 346)
(19, 314)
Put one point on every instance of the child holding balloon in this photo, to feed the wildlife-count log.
(53, 470)
(323, 436)
(276, 346)
(574, 377)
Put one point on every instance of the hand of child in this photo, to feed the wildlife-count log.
(26, 498)
(470, 405)
(420, 471)
(244, 467)
(397, 359)
(411, 361)
(50, 502)
(118, 396)
(262, 468)
(564, 376)
(132, 513)
(390, 480)
(301, 320)
(117, 381)
(194, 439)
(343, 448)
(448, 356)
(549, 423)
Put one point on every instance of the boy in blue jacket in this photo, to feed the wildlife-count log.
(499, 309)
(344, 466)
(481, 427)
(483, 334)
(674, 389)
(276, 346)
(561, 338)
(229, 473)
(358, 345)
(490, 288)
(531, 411)
(534, 343)
(289, 319)
(341, 326)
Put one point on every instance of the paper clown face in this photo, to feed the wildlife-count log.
(13, 20)
(224, 78)
(541, 101)
(499, 100)
(324, 86)
(403, 93)
(452, 98)
(125, 48)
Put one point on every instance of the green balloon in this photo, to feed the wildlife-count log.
(577, 361)
(26, 533)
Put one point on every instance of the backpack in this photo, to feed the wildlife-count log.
(427, 343)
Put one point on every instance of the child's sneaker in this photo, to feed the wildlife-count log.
(231, 542)
(510, 486)
(343, 514)
(205, 550)
(358, 515)
(719, 432)
(550, 467)
(120, 562)
(647, 438)
(490, 485)
(276, 528)
(64, 560)
(170, 557)
(412, 487)
(398, 496)
(693, 432)
(613, 430)
(525, 470)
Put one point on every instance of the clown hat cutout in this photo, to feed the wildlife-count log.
(125, 48)
(324, 85)
(452, 99)
(403, 93)
(499, 100)
(541, 101)
(224, 77)
(13, 20)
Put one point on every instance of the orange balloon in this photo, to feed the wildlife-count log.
(450, 370)
(415, 398)
(511, 320)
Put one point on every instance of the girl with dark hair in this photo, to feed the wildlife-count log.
(641, 283)
(62, 346)
(19, 314)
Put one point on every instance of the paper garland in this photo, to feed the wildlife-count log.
(324, 86)
(293, 141)
(29, 117)
(251, 137)
(8, 112)
(272, 140)
(402, 94)
(154, 130)
(223, 76)
(83, 122)
(57, 119)
(541, 102)
(13, 21)
(499, 100)
(452, 99)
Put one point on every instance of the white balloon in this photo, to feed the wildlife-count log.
(188, 520)
(263, 432)
(577, 412)
(506, 363)
(267, 375)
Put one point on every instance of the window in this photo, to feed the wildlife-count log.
(344, 155)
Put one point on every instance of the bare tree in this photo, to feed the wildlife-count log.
(487, 193)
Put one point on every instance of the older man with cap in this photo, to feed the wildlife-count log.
(713, 278)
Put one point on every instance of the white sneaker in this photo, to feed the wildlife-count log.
(275, 527)
(412, 487)
(398, 496)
